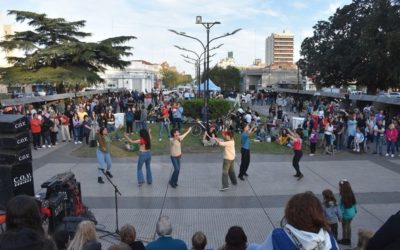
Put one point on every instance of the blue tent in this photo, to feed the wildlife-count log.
(211, 86)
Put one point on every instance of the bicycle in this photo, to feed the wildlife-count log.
(198, 128)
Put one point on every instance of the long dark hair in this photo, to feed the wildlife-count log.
(235, 239)
(346, 192)
(144, 134)
(23, 212)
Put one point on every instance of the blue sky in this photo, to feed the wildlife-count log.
(150, 20)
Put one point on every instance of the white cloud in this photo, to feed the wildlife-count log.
(299, 5)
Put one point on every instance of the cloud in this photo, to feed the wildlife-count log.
(299, 5)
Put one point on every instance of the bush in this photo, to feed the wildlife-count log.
(216, 107)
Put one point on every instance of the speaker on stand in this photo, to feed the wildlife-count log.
(16, 174)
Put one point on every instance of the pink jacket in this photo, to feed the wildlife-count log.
(391, 135)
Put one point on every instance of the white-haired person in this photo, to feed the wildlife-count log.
(165, 240)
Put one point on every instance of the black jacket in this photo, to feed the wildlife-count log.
(388, 236)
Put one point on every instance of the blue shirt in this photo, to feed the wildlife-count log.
(245, 140)
(166, 243)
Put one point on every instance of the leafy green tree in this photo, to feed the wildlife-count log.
(227, 79)
(52, 52)
(358, 44)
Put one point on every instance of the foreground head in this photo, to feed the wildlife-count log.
(128, 234)
(199, 241)
(23, 212)
(304, 212)
(86, 232)
(164, 226)
(235, 239)
(175, 132)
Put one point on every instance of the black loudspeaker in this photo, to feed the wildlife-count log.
(12, 124)
(14, 180)
(16, 176)
(14, 141)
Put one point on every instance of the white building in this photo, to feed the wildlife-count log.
(228, 61)
(140, 75)
(5, 29)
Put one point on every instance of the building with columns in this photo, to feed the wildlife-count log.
(140, 75)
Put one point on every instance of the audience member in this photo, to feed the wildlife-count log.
(165, 240)
(128, 236)
(24, 226)
(199, 241)
(388, 235)
(306, 227)
(85, 237)
(235, 239)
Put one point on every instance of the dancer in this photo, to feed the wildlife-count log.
(176, 153)
(144, 155)
(103, 153)
(245, 150)
(298, 153)
(348, 209)
(229, 159)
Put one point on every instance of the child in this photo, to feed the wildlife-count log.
(229, 159)
(358, 139)
(348, 210)
(313, 141)
(261, 134)
(298, 153)
(331, 211)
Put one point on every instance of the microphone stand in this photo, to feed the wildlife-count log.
(116, 193)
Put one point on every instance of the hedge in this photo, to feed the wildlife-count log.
(217, 108)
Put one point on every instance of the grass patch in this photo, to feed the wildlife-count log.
(190, 145)
(4, 96)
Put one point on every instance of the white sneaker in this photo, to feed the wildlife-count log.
(354, 149)
(49, 146)
(386, 154)
(392, 155)
(160, 139)
(358, 150)
(76, 142)
(224, 189)
(79, 142)
(43, 146)
(311, 154)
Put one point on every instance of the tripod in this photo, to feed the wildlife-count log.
(116, 193)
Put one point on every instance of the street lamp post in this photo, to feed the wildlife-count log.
(208, 26)
(199, 58)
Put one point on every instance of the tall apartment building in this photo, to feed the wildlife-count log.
(279, 50)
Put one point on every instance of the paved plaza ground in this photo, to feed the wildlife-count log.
(256, 204)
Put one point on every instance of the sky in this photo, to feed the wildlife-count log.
(149, 21)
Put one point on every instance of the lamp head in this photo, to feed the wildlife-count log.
(199, 20)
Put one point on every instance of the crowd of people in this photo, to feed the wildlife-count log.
(308, 223)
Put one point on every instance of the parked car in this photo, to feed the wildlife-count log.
(394, 94)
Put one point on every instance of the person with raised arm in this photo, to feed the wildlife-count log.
(176, 153)
(298, 153)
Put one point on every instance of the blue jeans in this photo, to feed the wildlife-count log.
(390, 147)
(177, 123)
(77, 133)
(379, 144)
(144, 157)
(165, 125)
(176, 163)
(102, 158)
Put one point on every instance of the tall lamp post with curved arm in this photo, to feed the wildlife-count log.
(199, 58)
(206, 49)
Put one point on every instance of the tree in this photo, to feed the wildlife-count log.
(227, 79)
(171, 78)
(52, 52)
(358, 44)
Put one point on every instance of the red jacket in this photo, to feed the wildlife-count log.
(391, 135)
(36, 125)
